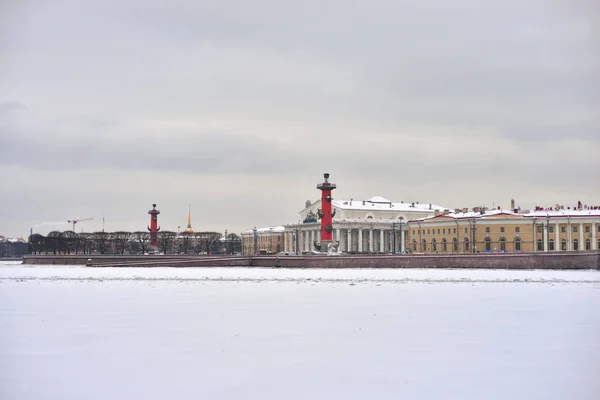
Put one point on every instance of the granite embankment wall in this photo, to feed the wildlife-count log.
(562, 260)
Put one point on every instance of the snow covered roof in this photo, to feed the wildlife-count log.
(381, 203)
(274, 229)
(377, 199)
(511, 213)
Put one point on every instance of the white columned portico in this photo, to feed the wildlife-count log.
(581, 238)
(306, 240)
(557, 243)
(594, 237)
(546, 237)
(371, 240)
(381, 241)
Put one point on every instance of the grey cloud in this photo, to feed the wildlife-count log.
(447, 102)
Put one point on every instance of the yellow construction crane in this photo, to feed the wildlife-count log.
(74, 221)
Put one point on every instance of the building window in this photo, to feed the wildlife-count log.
(598, 228)
(487, 229)
(563, 245)
(414, 245)
(438, 231)
(502, 243)
(428, 231)
(574, 228)
(551, 245)
(501, 229)
(575, 244)
(444, 231)
(424, 245)
(539, 229)
(488, 243)
(517, 229)
(517, 244)
(540, 245)
(466, 244)
(433, 245)
(419, 231)
(588, 244)
(455, 230)
(587, 229)
(563, 229)
(444, 245)
(551, 229)
(466, 230)
(455, 244)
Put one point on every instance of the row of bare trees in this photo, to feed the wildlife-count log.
(121, 242)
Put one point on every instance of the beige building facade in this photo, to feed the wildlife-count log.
(485, 231)
(259, 241)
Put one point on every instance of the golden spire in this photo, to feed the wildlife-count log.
(189, 225)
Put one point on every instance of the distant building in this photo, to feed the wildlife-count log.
(374, 225)
(491, 231)
(268, 240)
(13, 247)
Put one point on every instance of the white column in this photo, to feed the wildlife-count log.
(371, 240)
(569, 234)
(337, 235)
(557, 239)
(546, 238)
(381, 241)
(306, 240)
(594, 237)
(581, 238)
(318, 236)
(403, 245)
(360, 241)
(349, 248)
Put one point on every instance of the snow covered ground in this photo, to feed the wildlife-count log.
(227, 333)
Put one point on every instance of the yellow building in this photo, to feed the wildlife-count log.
(263, 241)
(493, 231)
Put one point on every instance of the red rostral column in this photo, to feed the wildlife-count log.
(325, 212)
(153, 228)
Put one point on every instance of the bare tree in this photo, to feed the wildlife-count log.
(70, 240)
(37, 243)
(209, 242)
(186, 242)
(142, 239)
(233, 243)
(165, 241)
(120, 240)
(100, 240)
(86, 242)
(54, 242)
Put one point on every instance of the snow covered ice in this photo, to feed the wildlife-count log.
(226, 333)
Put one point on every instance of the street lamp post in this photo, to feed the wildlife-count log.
(254, 231)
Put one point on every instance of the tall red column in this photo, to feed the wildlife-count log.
(153, 228)
(325, 212)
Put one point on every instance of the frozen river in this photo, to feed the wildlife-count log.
(77, 333)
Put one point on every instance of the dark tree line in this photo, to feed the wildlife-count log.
(121, 242)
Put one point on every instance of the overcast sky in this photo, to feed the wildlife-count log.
(238, 107)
